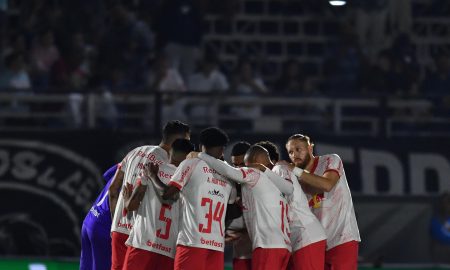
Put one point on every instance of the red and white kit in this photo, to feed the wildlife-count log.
(204, 198)
(307, 234)
(132, 166)
(335, 212)
(155, 226)
(265, 210)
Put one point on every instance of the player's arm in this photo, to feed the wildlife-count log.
(323, 183)
(171, 193)
(223, 168)
(284, 185)
(114, 190)
(151, 173)
(133, 200)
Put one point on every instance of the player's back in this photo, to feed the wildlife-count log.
(204, 198)
(156, 223)
(265, 211)
(304, 226)
(132, 165)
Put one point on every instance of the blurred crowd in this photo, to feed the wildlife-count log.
(146, 46)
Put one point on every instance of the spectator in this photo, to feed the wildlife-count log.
(180, 28)
(208, 78)
(245, 82)
(437, 84)
(292, 81)
(164, 78)
(344, 63)
(44, 55)
(15, 76)
(379, 78)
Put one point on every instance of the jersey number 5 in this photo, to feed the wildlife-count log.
(218, 213)
(166, 220)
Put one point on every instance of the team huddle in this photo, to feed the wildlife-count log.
(168, 207)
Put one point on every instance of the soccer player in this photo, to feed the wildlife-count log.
(308, 238)
(265, 207)
(242, 245)
(96, 231)
(132, 165)
(331, 202)
(204, 198)
(151, 244)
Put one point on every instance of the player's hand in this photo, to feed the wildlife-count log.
(232, 236)
(150, 170)
(193, 154)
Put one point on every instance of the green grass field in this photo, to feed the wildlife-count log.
(10, 264)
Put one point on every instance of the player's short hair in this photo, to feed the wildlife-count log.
(274, 154)
(301, 137)
(182, 146)
(213, 136)
(240, 148)
(174, 127)
(253, 152)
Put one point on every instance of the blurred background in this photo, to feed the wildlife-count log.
(83, 82)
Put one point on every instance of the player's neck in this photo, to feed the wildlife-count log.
(212, 153)
(165, 147)
(310, 164)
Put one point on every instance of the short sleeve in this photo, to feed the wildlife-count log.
(183, 173)
(126, 159)
(333, 163)
(166, 172)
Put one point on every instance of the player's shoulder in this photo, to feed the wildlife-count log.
(190, 162)
(167, 167)
(282, 170)
(333, 157)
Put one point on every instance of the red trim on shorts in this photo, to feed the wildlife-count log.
(314, 167)
(332, 170)
(175, 184)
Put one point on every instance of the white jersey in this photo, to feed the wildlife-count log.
(304, 226)
(334, 209)
(204, 198)
(242, 247)
(156, 224)
(265, 211)
(132, 166)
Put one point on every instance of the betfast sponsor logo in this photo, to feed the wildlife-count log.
(128, 226)
(215, 193)
(212, 243)
(159, 246)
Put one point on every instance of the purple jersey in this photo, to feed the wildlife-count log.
(100, 209)
(95, 233)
